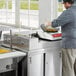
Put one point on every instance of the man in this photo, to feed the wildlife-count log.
(67, 21)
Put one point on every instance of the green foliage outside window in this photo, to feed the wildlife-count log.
(23, 4)
(2, 3)
(33, 6)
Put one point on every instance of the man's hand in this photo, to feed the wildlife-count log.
(47, 23)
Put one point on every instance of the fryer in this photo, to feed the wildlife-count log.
(9, 61)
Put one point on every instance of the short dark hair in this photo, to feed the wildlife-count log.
(69, 1)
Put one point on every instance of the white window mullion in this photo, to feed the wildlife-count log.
(28, 13)
(13, 5)
(6, 11)
(54, 6)
(17, 13)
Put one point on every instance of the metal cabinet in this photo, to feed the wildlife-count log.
(7, 67)
(35, 63)
(53, 62)
(45, 61)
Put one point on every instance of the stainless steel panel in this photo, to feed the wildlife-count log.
(6, 65)
(21, 42)
(49, 44)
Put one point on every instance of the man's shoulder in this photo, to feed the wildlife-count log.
(68, 11)
(72, 8)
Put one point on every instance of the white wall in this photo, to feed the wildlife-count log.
(47, 10)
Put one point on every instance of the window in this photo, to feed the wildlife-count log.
(19, 12)
(29, 13)
(7, 12)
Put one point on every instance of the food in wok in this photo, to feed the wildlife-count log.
(48, 28)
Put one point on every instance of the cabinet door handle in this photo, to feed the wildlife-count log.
(60, 54)
(30, 60)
